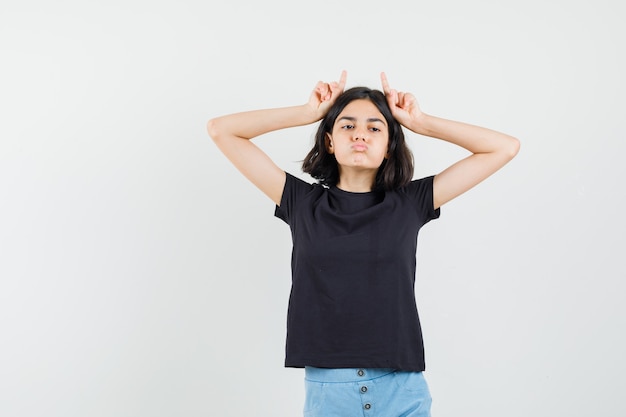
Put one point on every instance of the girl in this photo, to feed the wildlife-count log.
(352, 321)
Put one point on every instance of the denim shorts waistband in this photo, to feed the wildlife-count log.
(345, 374)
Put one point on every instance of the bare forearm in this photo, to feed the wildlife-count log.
(475, 139)
(248, 125)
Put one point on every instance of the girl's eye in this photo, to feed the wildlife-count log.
(375, 129)
(347, 127)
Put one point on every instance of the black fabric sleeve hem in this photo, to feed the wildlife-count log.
(280, 211)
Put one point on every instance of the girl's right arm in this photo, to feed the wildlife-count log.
(232, 134)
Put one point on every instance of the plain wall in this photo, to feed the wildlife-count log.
(142, 275)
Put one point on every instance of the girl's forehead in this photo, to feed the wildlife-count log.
(361, 105)
(361, 109)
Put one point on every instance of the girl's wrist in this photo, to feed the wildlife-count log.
(420, 124)
(310, 114)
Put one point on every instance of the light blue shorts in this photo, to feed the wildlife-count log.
(365, 392)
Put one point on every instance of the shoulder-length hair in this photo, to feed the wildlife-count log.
(395, 171)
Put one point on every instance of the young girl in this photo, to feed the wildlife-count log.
(352, 321)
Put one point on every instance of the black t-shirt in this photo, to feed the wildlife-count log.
(352, 301)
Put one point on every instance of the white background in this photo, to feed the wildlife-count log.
(142, 275)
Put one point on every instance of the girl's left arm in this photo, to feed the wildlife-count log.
(490, 150)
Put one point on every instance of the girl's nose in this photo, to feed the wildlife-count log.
(358, 135)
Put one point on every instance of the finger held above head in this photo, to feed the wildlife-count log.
(342, 79)
(385, 83)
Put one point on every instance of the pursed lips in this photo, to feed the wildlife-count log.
(359, 147)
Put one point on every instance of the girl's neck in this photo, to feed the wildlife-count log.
(356, 182)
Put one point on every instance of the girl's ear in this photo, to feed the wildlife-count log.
(328, 141)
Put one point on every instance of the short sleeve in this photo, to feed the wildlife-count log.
(421, 193)
(293, 192)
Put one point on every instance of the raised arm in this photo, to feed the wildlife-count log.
(232, 134)
(490, 150)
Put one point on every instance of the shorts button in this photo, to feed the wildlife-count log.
(364, 389)
(367, 406)
(360, 372)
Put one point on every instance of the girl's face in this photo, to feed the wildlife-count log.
(360, 136)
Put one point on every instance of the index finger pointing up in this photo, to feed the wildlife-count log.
(383, 79)
(342, 79)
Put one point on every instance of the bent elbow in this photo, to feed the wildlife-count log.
(213, 129)
(513, 148)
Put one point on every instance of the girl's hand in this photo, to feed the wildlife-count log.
(403, 106)
(324, 95)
